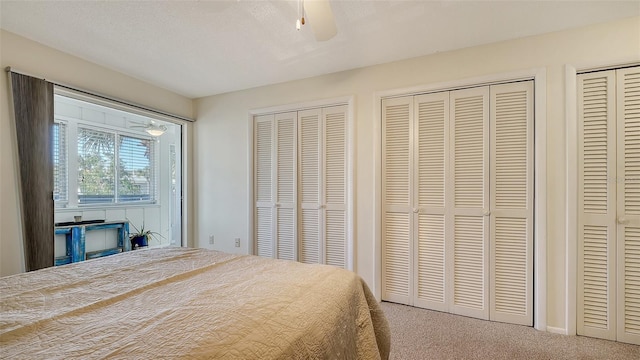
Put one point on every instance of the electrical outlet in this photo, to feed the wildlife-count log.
(237, 242)
(211, 239)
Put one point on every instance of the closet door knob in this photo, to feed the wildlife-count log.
(416, 210)
(486, 212)
(622, 220)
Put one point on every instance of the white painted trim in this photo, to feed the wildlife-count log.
(188, 238)
(351, 165)
(539, 75)
(342, 100)
(251, 245)
(460, 84)
(351, 146)
(571, 215)
(557, 330)
(540, 211)
(376, 287)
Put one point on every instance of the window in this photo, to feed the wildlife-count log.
(96, 167)
(106, 173)
(135, 169)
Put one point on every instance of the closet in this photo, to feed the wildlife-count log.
(301, 185)
(609, 205)
(457, 193)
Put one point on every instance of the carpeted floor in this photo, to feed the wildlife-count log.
(424, 334)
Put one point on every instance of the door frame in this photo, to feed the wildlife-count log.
(539, 76)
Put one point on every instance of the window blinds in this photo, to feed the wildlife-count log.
(60, 174)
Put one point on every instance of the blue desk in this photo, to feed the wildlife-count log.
(75, 241)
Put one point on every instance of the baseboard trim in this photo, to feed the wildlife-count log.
(556, 330)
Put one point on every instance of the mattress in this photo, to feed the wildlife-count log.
(179, 303)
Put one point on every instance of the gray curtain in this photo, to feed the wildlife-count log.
(33, 107)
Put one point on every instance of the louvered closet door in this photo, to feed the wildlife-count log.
(397, 170)
(333, 189)
(430, 164)
(596, 204)
(628, 205)
(263, 165)
(511, 203)
(469, 169)
(310, 132)
(285, 186)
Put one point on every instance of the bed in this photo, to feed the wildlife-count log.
(171, 303)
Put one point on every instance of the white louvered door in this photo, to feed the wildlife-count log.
(469, 174)
(628, 205)
(275, 185)
(285, 191)
(511, 270)
(457, 192)
(301, 186)
(430, 164)
(323, 185)
(397, 213)
(310, 132)
(596, 201)
(263, 184)
(609, 205)
(334, 187)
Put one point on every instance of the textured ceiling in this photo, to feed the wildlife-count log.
(200, 48)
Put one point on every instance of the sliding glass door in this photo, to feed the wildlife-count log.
(112, 163)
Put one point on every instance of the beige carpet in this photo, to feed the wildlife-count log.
(424, 334)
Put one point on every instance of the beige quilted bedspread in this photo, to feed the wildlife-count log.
(178, 303)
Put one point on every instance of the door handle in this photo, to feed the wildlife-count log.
(622, 220)
(486, 212)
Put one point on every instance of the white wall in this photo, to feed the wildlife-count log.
(38, 60)
(221, 133)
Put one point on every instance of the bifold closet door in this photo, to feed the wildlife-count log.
(609, 205)
(334, 187)
(397, 213)
(511, 203)
(430, 168)
(310, 132)
(469, 202)
(597, 206)
(323, 185)
(285, 246)
(628, 205)
(457, 193)
(263, 165)
(275, 186)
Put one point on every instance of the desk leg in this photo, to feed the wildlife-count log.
(69, 244)
(123, 237)
(77, 244)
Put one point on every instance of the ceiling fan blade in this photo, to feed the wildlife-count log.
(321, 19)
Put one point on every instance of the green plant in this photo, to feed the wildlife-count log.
(142, 233)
